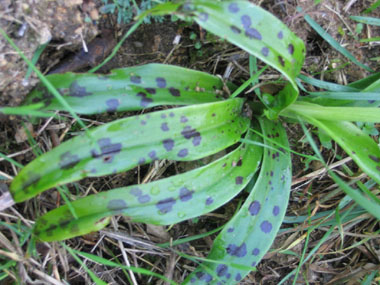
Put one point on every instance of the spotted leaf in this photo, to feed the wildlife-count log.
(257, 32)
(182, 134)
(249, 234)
(161, 202)
(126, 89)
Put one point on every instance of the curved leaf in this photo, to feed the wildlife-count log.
(254, 30)
(127, 89)
(249, 234)
(362, 148)
(186, 133)
(162, 202)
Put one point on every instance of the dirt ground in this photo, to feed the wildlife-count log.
(65, 25)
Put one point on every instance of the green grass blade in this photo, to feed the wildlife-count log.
(126, 89)
(357, 96)
(354, 114)
(327, 85)
(107, 262)
(45, 81)
(253, 29)
(161, 202)
(249, 234)
(334, 43)
(183, 134)
(94, 278)
(366, 20)
(372, 7)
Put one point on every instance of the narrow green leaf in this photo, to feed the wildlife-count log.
(357, 96)
(366, 20)
(183, 134)
(334, 43)
(162, 202)
(249, 234)
(355, 114)
(254, 30)
(126, 89)
(363, 150)
(327, 85)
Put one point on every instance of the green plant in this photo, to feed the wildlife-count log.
(212, 119)
(126, 10)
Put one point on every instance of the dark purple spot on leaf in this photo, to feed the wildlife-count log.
(76, 90)
(266, 227)
(183, 152)
(164, 127)
(230, 230)
(265, 51)
(185, 194)
(240, 162)
(204, 276)
(184, 119)
(150, 90)
(136, 79)
(239, 180)
(221, 270)
(374, 158)
(188, 132)
(142, 160)
(68, 160)
(143, 122)
(161, 82)
(252, 33)
(192, 280)
(291, 48)
(108, 150)
(209, 201)
(233, 8)
(280, 35)
(171, 114)
(281, 60)
(116, 205)
(238, 277)
(175, 92)
(152, 154)
(255, 251)
(144, 199)
(246, 21)
(197, 139)
(163, 116)
(228, 275)
(112, 105)
(254, 208)
(145, 102)
(276, 210)
(254, 264)
(166, 205)
(168, 144)
(235, 29)
(238, 251)
(203, 16)
(137, 192)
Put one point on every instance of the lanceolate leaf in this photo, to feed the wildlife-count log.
(363, 150)
(254, 30)
(162, 202)
(250, 233)
(186, 133)
(132, 88)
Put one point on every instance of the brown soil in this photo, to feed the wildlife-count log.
(65, 24)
